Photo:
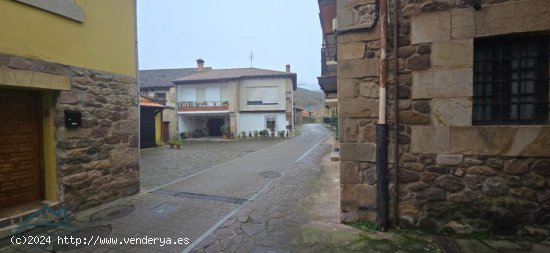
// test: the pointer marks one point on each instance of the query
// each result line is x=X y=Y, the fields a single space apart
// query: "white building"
x=245 y=99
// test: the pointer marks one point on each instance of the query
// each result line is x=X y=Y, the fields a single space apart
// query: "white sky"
x=174 y=33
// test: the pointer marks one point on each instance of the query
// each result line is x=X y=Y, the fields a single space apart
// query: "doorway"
x=165 y=131
x=214 y=126
x=21 y=173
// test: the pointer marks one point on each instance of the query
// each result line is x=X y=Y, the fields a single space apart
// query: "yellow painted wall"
x=104 y=41
x=158 y=128
x=50 y=176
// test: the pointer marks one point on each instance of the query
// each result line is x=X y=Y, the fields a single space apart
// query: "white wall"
x=190 y=123
x=250 y=121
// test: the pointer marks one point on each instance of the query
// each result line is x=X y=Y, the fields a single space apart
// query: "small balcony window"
x=511 y=80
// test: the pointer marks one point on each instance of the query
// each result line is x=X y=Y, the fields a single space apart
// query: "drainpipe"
x=396 y=115
x=382 y=128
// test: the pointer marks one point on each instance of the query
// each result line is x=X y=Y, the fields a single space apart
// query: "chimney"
x=200 y=65
x=288 y=68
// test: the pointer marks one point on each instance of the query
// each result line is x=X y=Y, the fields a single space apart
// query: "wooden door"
x=166 y=131
x=21 y=177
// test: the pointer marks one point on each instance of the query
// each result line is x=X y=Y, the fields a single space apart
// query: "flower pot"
x=178 y=146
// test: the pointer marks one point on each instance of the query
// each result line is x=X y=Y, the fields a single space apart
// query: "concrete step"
x=10 y=225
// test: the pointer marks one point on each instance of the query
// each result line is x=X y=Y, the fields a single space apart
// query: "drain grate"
x=212 y=197
x=191 y=195
x=270 y=174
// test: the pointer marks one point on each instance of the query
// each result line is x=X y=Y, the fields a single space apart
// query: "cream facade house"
x=157 y=84
x=245 y=99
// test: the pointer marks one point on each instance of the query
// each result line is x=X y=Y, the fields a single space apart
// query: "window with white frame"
x=267 y=95
x=271 y=122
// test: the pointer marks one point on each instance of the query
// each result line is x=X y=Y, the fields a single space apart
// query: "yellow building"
x=68 y=103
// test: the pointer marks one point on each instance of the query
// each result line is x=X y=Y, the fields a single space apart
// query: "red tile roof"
x=148 y=103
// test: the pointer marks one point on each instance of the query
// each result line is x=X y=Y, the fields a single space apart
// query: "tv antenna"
x=251 y=57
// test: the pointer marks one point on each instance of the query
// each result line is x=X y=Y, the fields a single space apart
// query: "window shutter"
x=270 y=95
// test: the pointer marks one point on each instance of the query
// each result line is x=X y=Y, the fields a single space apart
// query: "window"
x=223 y=94
x=201 y=95
x=268 y=95
x=271 y=122
x=511 y=80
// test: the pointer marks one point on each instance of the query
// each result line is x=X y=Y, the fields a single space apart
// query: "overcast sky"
x=174 y=33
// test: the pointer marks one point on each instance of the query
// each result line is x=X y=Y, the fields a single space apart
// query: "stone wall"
x=97 y=162
x=453 y=176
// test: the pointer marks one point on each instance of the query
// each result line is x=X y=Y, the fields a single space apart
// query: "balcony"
x=204 y=106
x=328 y=60
x=331 y=95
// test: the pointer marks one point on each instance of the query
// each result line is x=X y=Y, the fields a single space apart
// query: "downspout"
x=396 y=115
x=138 y=90
x=382 y=195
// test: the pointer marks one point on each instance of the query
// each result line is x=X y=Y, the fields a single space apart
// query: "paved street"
x=188 y=208
x=162 y=165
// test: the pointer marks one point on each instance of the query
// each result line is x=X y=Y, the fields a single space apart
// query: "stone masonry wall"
x=454 y=177
x=97 y=162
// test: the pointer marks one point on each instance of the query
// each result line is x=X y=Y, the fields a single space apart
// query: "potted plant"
x=172 y=143
x=225 y=102
x=282 y=133
x=249 y=134
x=178 y=143
x=243 y=134
x=272 y=133
x=225 y=131
x=256 y=133
x=231 y=135
x=188 y=134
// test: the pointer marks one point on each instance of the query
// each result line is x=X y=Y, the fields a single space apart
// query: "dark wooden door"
x=147 y=127
x=21 y=178
x=166 y=131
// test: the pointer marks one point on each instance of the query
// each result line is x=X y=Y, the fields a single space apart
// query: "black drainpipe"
x=382 y=195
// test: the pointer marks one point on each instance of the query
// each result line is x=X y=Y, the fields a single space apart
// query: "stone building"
x=329 y=63
x=473 y=141
x=68 y=104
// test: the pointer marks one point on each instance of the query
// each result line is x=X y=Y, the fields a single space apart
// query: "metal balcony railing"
x=328 y=60
x=193 y=106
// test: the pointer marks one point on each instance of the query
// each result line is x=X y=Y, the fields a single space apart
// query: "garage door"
x=20 y=173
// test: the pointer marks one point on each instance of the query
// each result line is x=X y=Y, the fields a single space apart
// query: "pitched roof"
x=217 y=75
x=158 y=78
x=148 y=103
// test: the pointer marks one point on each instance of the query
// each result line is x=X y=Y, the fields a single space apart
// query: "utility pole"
x=251 y=57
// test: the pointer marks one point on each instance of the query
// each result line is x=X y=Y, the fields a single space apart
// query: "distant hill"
x=308 y=100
